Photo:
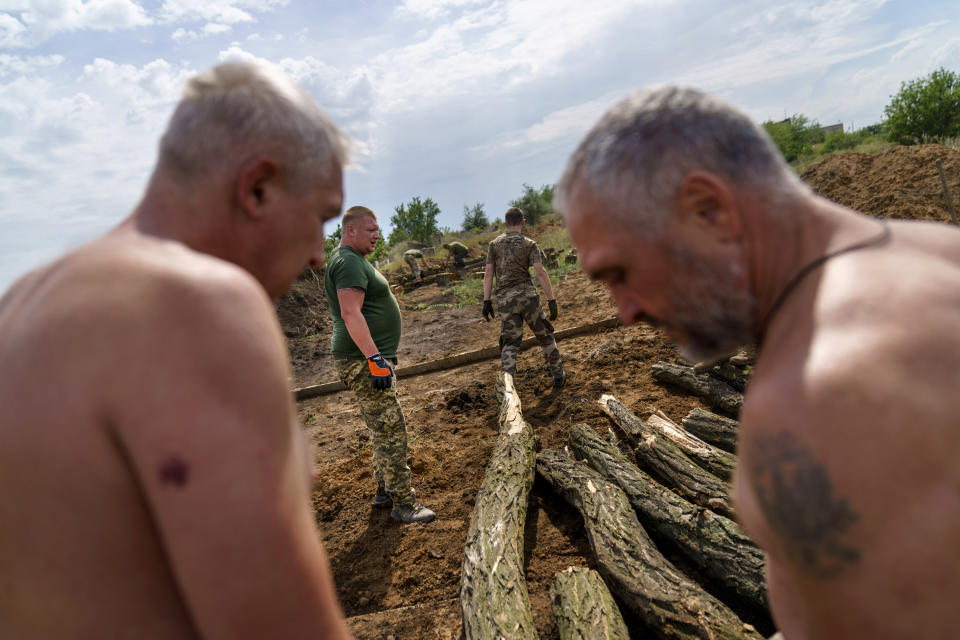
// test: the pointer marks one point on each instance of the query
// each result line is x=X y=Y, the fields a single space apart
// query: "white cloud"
x=213 y=28
x=219 y=11
x=37 y=21
x=25 y=65
x=182 y=34
x=432 y=9
x=505 y=44
x=947 y=56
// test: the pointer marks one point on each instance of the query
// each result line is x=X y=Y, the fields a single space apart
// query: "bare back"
x=152 y=476
x=848 y=475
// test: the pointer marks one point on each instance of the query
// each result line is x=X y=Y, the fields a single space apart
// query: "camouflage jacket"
x=512 y=254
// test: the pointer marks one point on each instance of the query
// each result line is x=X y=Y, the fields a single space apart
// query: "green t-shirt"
x=413 y=253
x=346 y=268
x=458 y=249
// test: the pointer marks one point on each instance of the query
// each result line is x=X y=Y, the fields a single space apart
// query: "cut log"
x=715 y=429
x=717 y=545
x=708 y=457
x=583 y=607
x=666 y=462
x=668 y=602
x=493 y=590
x=718 y=393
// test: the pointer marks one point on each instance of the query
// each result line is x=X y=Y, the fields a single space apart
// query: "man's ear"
x=706 y=204
x=255 y=186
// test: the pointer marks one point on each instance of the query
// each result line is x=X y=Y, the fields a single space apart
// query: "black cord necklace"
x=876 y=240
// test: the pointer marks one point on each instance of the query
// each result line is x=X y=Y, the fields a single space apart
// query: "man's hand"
x=380 y=372
x=553 y=309
x=487 y=310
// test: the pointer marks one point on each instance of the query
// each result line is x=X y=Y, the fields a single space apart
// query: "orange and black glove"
x=553 y=309
x=487 y=310
x=380 y=372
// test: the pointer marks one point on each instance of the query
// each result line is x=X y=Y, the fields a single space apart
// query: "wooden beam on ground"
x=717 y=392
x=460 y=359
x=670 y=604
x=712 y=542
x=668 y=463
x=715 y=429
x=584 y=608
x=708 y=457
x=493 y=590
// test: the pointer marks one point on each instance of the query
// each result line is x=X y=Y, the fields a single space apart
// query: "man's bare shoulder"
x=123 y=298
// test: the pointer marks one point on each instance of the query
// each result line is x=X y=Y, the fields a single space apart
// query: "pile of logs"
x=673 y=487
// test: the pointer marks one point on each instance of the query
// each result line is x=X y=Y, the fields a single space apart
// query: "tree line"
x=924 y=110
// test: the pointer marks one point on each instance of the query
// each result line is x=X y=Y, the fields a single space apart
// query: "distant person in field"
x=410 y=256
x=366 y=334
x=848 y=474
x=154 y=479
x=458 y=251
x=510 y=257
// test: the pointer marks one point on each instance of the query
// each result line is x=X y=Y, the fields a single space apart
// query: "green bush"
x=794 y=136
x=925 y=109
x=474 y=217
x=415 y=221
x=535 y=202
x=331 y=241
x=841 y=141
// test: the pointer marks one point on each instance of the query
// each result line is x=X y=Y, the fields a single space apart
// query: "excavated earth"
x=402 y=581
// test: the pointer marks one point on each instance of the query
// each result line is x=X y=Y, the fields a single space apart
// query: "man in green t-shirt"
x=366 y=333
x=458 y=251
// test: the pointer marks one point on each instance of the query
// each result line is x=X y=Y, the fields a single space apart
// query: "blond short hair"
x=354 y=215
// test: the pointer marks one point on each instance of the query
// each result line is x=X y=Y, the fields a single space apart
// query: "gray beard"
x=715 y=315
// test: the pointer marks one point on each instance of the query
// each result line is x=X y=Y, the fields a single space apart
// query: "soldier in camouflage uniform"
x=510 y=257
x=366 y=333
x=410 y=256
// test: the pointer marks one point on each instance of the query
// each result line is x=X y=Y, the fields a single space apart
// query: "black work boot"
x=414 y=512
x=382 y=499
x=558 y=381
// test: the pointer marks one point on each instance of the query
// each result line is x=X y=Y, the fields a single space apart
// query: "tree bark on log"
x=668 y=463
x=493 y=590
x=708 y=457
x=583 y=607
x=718 y=430
x=712 y=542
x=719 y=394
x=669 y=603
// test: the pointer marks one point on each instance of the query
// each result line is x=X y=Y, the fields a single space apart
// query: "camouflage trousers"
x=414 y=266
x=516 y=307
x=388 y=430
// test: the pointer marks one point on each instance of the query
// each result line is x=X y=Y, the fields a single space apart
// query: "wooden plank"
x=460 y=359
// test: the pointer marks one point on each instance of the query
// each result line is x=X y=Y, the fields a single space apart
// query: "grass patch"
x=870 y=145
x=467 y=291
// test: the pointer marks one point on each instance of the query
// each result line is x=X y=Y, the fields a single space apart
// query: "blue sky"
x=462 y=101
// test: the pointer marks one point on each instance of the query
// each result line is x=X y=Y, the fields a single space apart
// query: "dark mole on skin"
x=174 y=471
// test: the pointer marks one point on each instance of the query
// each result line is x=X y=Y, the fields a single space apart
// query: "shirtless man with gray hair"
x=850 y=426
x=154 y=480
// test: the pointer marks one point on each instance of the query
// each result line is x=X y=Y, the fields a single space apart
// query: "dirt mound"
x=900 y=183
x=303 y=311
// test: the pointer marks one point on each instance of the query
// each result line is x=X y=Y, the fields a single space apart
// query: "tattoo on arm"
x=798 y=501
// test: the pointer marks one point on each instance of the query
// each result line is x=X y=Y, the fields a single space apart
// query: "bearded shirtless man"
x=153 y=477
x=848 y=474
